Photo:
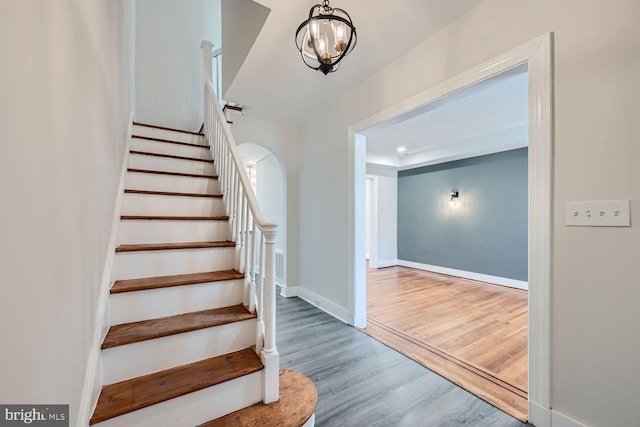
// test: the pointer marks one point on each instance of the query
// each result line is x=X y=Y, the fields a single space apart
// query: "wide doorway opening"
x=447 y=217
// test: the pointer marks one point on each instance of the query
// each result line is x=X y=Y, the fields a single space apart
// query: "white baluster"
x=239 y=223
x=233 y=188
x=252 y=268
x=243 y=240
x=258 y=288
x=270 y=357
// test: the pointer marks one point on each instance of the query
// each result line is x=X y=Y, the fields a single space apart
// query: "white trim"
x=329 y=307
x=356 y=239
x=496 y=280
x=93 y=374
x=387 y=263
x=539 y=416
x=537 y=53
x=373 y=220
x=288 y=291
x=311 y=421
x=561 y=420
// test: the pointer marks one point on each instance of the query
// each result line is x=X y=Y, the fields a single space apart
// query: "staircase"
x=184 y=345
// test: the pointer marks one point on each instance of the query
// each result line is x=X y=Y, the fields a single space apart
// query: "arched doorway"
x=267 y=175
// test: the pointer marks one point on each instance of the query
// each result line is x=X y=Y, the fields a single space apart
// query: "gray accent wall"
x=487 y=232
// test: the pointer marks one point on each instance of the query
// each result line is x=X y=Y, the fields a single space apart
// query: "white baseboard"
x=325 y=305
x=93 y=373
x=542 y=417
x=311 y=422
x=538 y=415
x=503 y=281
x=386 y=263
x=561 y=420
x=288 y=291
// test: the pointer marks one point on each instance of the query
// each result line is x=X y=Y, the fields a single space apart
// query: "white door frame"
x=537 y=54
x=373 y=220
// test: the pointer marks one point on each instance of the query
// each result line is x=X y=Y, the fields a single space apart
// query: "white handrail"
x=255 y=255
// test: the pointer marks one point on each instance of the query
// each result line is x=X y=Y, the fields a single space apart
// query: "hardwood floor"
x=473 y=333
x=362 y=382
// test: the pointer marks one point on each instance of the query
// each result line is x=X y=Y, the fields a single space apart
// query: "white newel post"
x=270 y=356
x=207 y=69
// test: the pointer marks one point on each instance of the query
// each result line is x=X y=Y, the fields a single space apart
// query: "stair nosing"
x=167 y=128
x=173 y=218
x=119 y=286
x=188 y=175
x=169 y=141
x=172 y=193
x=179 y=372
x=173 y=246
x=240 y=317
x=169 y=156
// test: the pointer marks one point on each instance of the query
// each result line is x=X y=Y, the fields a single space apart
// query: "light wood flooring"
x=362 y=382
x=473 y=333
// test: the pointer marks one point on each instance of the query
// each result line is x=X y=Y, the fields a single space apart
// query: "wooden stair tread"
x=175 y=218
x=190 y=144
x=144 y=330
x=141 y=392
x=132 y=285
x=170 y=156
x=166 y=246
x=170 y=193
x=167 y=128
x=191 y=175
x=298 y=399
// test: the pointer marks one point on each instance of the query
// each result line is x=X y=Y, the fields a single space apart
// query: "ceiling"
x=487 y=117
x=273 y=81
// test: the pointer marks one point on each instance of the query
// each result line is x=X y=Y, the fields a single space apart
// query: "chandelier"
x=326 y=37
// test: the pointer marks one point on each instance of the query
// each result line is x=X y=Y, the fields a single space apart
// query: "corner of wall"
x=288 y=291
x=329 y=307
x=93 y=373
x=539 y=416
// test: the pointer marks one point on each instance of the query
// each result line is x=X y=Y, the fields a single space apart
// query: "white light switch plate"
x=602 y=213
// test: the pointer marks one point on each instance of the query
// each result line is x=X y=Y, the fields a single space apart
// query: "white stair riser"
x=135 y=306
x=136 y=265
x=140 y=144
x=146 y=357
x=197 y=407
x=170 y=183
x=150 y=204
x=167 y=134
x=141 y=161
x=161 y=231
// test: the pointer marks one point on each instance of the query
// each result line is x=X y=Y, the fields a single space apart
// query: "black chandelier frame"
x=325 y=12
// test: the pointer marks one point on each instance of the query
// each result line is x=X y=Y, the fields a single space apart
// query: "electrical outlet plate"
x=602 y=213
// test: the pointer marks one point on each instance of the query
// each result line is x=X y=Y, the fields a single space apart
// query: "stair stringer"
x=93 y=373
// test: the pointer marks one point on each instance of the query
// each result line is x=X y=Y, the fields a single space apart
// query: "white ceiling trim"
x=495 y=142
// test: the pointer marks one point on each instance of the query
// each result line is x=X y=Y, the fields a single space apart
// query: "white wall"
x=64 y=113
x=242 y=21
x=282 y=140
x=386 y=230
x=169 y=84
x=594 y=290
x=270 y=187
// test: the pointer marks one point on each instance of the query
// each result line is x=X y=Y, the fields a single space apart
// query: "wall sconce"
x=453 y=199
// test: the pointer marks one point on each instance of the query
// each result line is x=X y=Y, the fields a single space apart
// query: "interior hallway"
x=362 y=382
